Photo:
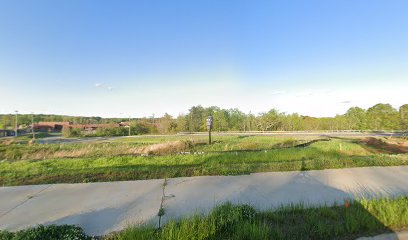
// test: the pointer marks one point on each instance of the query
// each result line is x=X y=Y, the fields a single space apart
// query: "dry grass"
x=8 y=142
x=40 y=152
x=166 y=148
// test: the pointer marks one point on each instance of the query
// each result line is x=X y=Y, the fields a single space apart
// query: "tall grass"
x=94 y=150
x=103 y=161
x=320 y=155
x=228 y=221
x=54 y=151
x=130 y=146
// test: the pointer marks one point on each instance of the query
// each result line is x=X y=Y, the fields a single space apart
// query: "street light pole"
x=16 y=123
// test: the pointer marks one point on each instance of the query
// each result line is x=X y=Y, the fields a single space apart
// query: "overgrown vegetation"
x=228 y=221
x=103 y=162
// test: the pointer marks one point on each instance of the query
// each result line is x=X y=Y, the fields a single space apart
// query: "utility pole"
x=32 y=125
x=16 y=129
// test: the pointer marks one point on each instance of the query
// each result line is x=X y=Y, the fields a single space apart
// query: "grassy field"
x=175 y=156
x=347 y=220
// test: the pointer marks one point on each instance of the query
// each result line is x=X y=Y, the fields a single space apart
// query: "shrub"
x=51 y=232
x=139 y=129
x=71 y=132
x=111 y=131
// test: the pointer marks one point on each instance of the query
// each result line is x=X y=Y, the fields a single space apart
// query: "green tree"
x=403 y=111
x=166 y=124
x=292 y=122
x=236 y=119
x=311 y=123
x=269 y=121
x=250 y=122
x=382 y=117
x=195 y=119
x=139 y=128
x=181 y=123
x=220 y=120
x=356 y=118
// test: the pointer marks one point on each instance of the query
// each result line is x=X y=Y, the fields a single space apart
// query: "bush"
x=71 y=132
x=51 y=232
x=139 y=129
x=112 y=131
x=136 y=129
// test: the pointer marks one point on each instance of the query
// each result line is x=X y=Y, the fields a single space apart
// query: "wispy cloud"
x=103 y=86
x=345 y=102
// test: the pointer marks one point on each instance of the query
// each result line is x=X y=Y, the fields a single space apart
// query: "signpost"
x=209 y=127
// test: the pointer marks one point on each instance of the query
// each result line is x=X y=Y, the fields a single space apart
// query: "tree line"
x=378 y=117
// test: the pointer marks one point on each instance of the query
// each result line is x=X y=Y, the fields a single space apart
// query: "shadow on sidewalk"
x=302 y=207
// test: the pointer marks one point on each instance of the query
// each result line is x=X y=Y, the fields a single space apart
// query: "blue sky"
x=138 y=58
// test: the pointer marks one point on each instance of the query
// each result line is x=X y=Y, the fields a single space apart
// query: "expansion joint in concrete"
x=25 y=200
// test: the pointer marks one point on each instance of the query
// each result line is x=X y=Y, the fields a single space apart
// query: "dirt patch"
x=386 y=147
x=404 y=144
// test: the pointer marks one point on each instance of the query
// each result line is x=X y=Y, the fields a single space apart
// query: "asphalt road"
x=61 y=140
x=101 y=208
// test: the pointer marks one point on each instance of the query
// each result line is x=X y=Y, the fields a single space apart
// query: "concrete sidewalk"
x=403 y=235
x=104 y=207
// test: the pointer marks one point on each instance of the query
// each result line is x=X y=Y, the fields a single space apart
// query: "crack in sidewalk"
x=161 y=211
x=25 y=200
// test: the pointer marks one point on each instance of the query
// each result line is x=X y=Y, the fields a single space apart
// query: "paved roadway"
x=104 y=207
x=59 y=140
